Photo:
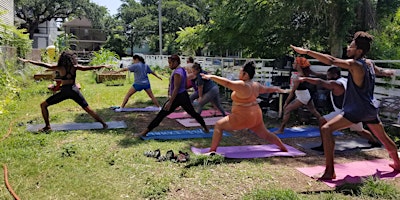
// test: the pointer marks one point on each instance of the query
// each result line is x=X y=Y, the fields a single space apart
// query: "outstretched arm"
x=38 y=63
x=119 y=71
x=326 y=59
x=86 y=68
x=336 y=87
x=154 y=74
x=265 y=89
x=379 y=71
x=233 y=85
x=354 y=66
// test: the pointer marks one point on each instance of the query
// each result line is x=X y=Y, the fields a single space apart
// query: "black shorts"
x=68 y=92
x=356 y=120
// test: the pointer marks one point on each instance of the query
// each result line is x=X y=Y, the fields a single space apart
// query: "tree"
x=191 y=39
x=35 y=12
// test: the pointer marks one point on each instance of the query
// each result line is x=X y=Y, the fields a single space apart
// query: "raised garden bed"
x=44 y=76
x=108 y=76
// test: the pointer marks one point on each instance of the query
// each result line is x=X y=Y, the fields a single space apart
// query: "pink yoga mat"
x=204 y=113
x=190 y=122
x=252 y=151
x=354 y=172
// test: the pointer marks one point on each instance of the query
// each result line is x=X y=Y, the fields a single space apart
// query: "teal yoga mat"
x=180 y=134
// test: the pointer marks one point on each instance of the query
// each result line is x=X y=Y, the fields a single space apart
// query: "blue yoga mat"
x=180 y=134
x=297 y=132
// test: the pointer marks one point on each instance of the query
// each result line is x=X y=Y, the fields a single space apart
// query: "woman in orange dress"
x=246 y=113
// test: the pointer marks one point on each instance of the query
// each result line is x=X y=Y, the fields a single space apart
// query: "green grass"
x=107 y=164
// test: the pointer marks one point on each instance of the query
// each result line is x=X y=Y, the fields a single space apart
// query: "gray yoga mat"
x=343 y=145
x=77 y=126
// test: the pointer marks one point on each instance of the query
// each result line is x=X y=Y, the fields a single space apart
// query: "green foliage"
x=63 y=42
x=387 y=40
x=191 y=39
x=11 y=36
x=379 y=189
x=36 y=12
x=273 y=194
x=104 y=57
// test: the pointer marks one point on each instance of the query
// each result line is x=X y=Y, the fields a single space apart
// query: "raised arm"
x=38 y=63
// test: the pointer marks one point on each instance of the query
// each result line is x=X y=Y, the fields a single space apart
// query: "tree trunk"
x=31 y=29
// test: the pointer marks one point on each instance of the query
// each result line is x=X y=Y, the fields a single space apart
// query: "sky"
x=111 y=5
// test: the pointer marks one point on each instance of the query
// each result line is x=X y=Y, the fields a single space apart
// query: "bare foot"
x=284 y=149
x=325 y=176
x=45 y=129
x=396 y=168
x=141 y=134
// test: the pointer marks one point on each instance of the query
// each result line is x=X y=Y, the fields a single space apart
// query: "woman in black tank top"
x=67 y=66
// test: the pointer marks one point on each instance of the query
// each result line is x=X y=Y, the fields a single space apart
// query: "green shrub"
x=378 y=189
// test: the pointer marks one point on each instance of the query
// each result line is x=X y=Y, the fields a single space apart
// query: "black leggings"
x=68 y=92
x=182 y=100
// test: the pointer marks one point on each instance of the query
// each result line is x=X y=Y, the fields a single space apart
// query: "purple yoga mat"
x=190 y=122
x=354 y=172
x=252 y=151
x=204 y=113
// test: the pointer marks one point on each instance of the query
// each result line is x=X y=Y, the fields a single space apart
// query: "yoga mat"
x=296 y=132
x=146 y=109
x=354 y=172
x=180 y=134
x=204 y=113
x=251 y=151
x=77 y=126
x=344 y=145
x=190 y=122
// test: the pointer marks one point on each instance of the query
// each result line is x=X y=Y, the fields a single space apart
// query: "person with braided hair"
x=67 y=67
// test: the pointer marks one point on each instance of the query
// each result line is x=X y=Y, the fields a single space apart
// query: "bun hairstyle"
x=363 y=41
x=250 y=68
x=302 y=62
x=140 y=58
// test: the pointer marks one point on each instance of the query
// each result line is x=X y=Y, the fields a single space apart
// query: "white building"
x=7 y=6
x=45 y=35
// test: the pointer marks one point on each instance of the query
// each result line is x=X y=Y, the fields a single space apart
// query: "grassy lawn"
x=108 y=164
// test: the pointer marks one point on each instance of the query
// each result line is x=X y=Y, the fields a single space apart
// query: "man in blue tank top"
x=359 y=103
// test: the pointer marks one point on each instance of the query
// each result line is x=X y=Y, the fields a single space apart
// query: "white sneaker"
x=159 y=108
